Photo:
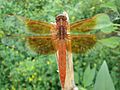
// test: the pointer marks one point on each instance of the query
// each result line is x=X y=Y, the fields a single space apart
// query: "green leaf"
x=81 y=88
x=103 y=79
x=1 y=34
x=112 y=42
x=88 y=76
x=102 y=21
x=76 y=77
x=117 y=3
x=108 y=29
x=110 y=5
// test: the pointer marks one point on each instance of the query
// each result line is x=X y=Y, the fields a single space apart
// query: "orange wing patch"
x=83 y=26
x=38 y=27
x=41 y=45
x=96 y=22
x=82 y=43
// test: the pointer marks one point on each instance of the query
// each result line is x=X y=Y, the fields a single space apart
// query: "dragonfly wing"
x=97 y=22
x=81 y=43
x=35 y=26
x=38 y=27
x=41 y=45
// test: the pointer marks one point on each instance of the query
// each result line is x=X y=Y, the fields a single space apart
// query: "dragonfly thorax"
x=61 y=26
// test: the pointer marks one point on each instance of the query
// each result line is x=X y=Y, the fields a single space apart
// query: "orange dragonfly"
x=63 y=37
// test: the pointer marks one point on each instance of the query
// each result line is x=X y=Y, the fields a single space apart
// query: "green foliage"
x=103 y=21
x=110 y=5
x=103 y=79
x=22 y=69
x=112 y=42
x=88 y=76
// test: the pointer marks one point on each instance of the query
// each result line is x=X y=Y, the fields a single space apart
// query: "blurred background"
x=21 y=69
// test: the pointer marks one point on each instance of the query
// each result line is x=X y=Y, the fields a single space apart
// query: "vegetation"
x=21 y=69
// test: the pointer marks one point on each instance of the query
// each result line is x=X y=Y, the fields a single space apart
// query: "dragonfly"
x=62 y=37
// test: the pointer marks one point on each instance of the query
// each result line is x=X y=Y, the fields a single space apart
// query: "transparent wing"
x=97 y=22
x=35 y=26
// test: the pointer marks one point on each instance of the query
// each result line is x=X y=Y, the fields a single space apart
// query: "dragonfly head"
x=61 y=20
x=61 y=17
